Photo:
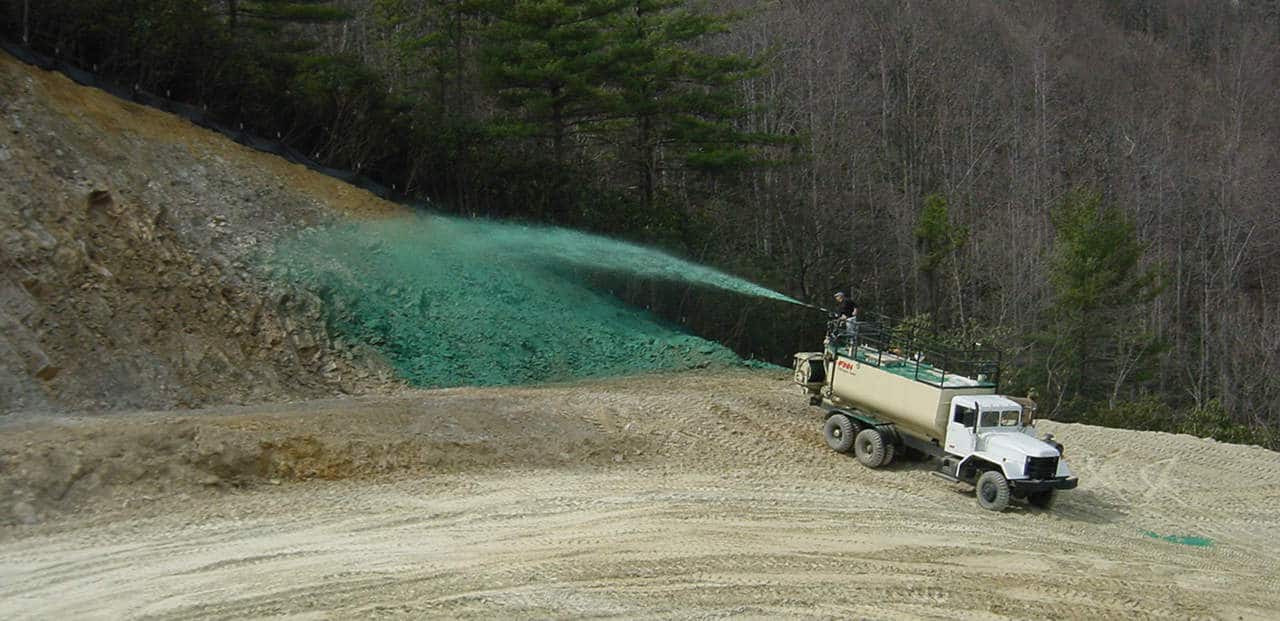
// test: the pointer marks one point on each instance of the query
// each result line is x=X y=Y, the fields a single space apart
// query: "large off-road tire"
x=992 y=490
x=890 y=452
x=1042 y=499
x=869 y=448
x=839 y=432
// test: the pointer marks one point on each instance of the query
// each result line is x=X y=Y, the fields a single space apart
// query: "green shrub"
x=1213 y=421
x=905 y=336
x=1151 y=414
x=1147 y=413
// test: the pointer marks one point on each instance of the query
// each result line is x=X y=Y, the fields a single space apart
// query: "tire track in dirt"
x=732 y=506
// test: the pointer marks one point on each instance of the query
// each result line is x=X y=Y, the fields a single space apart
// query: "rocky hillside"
x=126 y=239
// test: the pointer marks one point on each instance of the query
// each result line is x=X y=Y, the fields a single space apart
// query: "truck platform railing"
x=908 y=352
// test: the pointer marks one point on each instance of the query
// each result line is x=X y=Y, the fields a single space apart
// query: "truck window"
x=989 y=418
x=1009 y=418
x=966 y=416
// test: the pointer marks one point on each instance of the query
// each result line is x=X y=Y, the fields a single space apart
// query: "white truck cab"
x=993 y=430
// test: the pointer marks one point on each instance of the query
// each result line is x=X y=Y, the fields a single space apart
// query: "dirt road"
x=662 y=496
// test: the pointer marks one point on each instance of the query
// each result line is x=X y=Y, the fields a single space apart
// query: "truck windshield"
x=999 y=418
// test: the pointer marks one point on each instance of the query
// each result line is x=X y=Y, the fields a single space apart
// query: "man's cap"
x=839 y=294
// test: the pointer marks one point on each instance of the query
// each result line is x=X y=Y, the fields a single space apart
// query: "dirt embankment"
x=694 y=494
x=53 y=467
x=126 y=260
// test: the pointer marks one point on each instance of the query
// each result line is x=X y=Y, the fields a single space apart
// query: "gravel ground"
x=695 y=494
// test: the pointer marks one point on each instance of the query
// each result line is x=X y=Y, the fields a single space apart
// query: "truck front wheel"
x=992 y=491
x=839 y=432
x=869 y=448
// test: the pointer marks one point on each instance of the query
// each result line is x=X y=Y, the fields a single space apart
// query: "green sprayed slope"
x=456 y=302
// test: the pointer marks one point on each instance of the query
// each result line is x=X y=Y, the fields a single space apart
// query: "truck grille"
x=1042 y=467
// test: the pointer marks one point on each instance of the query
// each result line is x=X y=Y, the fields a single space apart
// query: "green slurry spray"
x=468 y=302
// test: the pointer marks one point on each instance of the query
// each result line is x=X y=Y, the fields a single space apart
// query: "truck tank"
x=903 y=379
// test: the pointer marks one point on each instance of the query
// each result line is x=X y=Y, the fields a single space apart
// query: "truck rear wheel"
x=869 y=448
x=992 y=491
x=890 y=452
x=1041 y=499
x=839 y=432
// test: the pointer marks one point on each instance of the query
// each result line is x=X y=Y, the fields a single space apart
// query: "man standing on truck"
x=847 y=310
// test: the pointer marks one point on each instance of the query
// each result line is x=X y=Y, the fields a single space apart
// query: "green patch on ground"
x=461 y=302
x=1186 y=540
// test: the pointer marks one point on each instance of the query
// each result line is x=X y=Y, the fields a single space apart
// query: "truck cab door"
x=962 y=437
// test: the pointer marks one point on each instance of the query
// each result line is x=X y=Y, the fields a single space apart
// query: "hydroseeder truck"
x=887 y=391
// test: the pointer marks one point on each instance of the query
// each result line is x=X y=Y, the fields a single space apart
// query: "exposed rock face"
x=127 y=244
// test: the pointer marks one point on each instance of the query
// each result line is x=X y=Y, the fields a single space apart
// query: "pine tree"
x=547 y=60
x=430 y=42
x=627 y=72
x=432 y=45
x=676 y=103
x=936 y=241
x=1093 y=341
x=265 y=53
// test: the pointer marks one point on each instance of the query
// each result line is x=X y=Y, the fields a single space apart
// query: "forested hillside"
x=1086 y=185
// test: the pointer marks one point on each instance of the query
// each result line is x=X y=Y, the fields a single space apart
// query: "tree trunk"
x=559 y=204
x=647 y=156
x=557 y=128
